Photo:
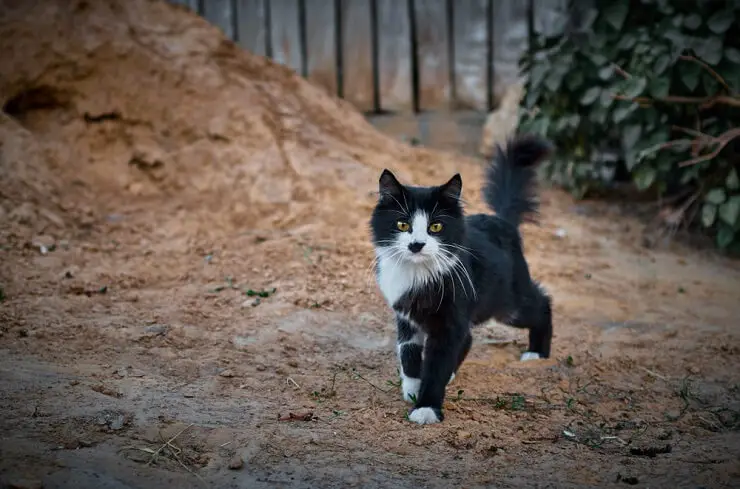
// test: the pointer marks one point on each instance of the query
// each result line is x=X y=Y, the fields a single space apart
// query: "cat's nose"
x=416 y=247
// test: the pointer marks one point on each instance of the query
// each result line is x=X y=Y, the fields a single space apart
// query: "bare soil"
x=152 y=175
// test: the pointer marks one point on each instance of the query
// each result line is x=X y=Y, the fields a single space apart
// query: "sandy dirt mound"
x=185 y=263
x=141 y=99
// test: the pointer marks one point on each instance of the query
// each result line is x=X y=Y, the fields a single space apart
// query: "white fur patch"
x=400 y=270
x=424 y=415
x=529 y=355
x=410 y=387
x=396 y=276
x=452 y=377
x=419 y=225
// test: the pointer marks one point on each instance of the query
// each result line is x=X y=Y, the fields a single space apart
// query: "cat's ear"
x=453 y=188
x=389 y=185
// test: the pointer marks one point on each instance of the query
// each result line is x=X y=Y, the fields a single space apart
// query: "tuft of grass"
x=260 y=293
x=518 y=402
x=685 y=393
x=230 y=284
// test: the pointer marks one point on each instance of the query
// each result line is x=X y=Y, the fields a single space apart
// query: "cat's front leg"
x=441 y=356
x=409 y=347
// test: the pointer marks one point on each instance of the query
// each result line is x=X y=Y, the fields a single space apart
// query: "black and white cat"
x=443 y=272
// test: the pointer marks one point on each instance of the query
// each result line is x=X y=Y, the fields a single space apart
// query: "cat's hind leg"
x=535 y=314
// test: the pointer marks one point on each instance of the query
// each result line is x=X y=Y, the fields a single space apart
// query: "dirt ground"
x=155 y=182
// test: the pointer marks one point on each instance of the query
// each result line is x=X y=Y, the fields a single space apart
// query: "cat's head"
x=418 y=225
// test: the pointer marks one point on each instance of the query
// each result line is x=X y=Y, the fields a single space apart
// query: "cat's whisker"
x=405 y=208
x=405 y=202
x=458 y=265
x=447 y=248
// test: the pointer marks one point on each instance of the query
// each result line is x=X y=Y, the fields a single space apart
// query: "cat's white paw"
x=452 y=377
x=424 y=415
x=410 y=387
x=529 y=355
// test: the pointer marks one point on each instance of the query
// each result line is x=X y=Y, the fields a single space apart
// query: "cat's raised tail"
x=511 y=178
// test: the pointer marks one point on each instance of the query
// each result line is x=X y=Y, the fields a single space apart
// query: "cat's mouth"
x=418 y=258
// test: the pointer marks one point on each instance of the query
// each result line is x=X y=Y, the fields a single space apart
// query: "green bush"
x=645 y=90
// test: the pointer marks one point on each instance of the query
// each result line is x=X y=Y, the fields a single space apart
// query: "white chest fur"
x=396 y=277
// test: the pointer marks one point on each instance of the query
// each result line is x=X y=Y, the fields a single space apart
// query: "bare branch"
x=721 y=141
x=704 y=102
x=709 y=69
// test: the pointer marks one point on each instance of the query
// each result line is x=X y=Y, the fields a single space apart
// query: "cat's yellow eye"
x=435 y=227
x=402 y=226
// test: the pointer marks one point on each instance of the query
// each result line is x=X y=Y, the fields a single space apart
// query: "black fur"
x=489 y=247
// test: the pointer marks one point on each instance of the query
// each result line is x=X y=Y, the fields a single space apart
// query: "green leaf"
x=590 y=96
x=616 y=13
x=598 y=114
x=574 y=80
x=725 y=236
x=678 y=40
x=721 y=21
x=531 y=99
x=690 y=73
x=630 y=135
x=598 y=59
x=660 y=86
x=537 y=74
x=588 y=18
x=690 y=173
x=732 y=182
x=606 y=99
x=606 y=72
x=708 y=214
x=540 y=126
x=709 y=49
x=623 y=112
x=733 y=55
x=644 y=177
x=716 y=196
x=711 y=85
x=730 y=210
x=642 y=48
x=635 y=86
x=553 y=82
x=662 y=63
x=692 y=21
x=627 y=42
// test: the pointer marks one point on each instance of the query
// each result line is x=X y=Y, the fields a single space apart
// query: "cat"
x=443 y=273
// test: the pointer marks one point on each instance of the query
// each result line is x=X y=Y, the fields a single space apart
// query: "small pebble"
x=226 y=373
x=44 y=244
x=157 y=329
x=117 y=422
x=236 y=462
